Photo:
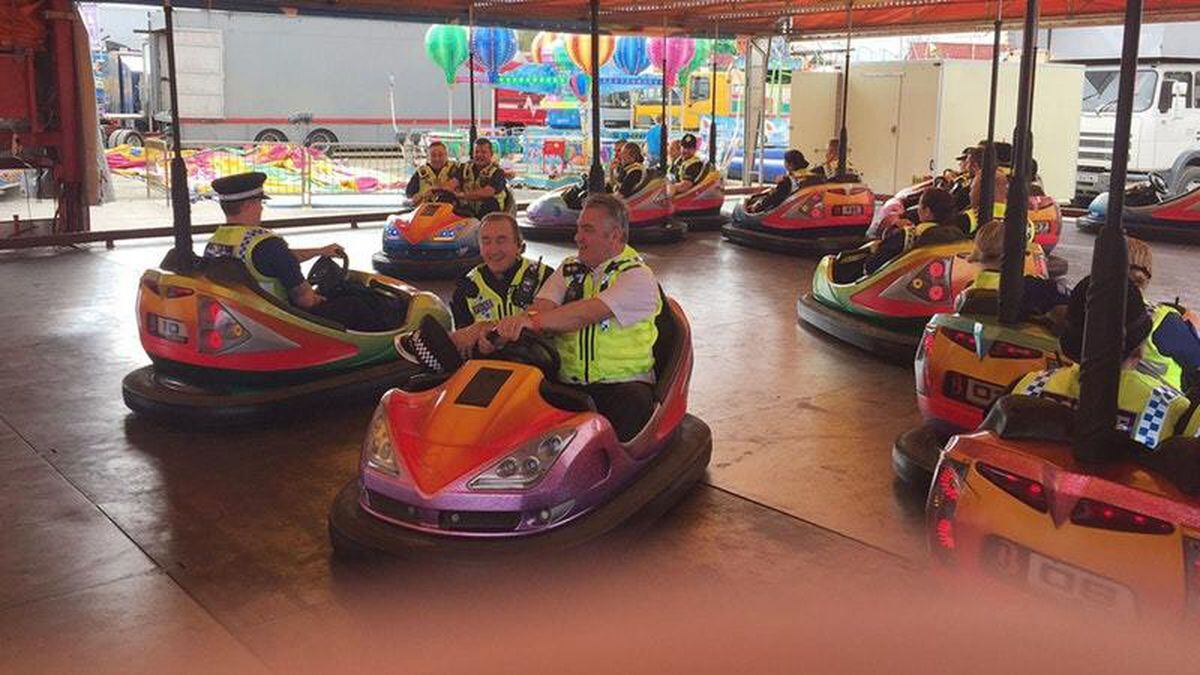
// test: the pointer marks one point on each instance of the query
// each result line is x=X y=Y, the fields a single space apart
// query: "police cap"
x=240 y=186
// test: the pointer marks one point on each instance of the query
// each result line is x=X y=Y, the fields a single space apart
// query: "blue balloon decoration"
x=493 y=47
x=631 y=55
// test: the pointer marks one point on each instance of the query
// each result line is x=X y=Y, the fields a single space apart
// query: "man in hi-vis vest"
x=435 y=174
x=600 y=306
x=272 y=263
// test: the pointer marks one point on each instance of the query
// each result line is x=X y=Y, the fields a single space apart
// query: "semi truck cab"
x=1166 y=121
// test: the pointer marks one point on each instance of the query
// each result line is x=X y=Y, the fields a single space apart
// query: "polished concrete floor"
x=134 y=547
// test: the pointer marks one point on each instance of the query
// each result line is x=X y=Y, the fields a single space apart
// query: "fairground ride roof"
x=797 y=18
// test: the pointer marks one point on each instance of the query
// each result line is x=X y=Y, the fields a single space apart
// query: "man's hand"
x=510 y=328
x=484 y=343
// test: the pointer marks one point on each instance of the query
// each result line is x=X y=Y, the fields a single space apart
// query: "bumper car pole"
x=181 y=258
x=987 y=188
x=843 y=150
x=712 y=93
x=666 y=92
x=473 y=133
x=596 y=176
x=1012 y=270
x=1100 y=374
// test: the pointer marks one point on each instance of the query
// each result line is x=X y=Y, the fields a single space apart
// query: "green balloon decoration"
x=447 y=47
x=727 y=46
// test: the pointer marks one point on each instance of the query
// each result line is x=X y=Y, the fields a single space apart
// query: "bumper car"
x=820 y=218
x=553 y=215
x=434 y=241
x=886 y=312
x=1044 y=213
x=226 y=351
x=1010 y=506
x=966 y=361
x=499 y=459
x=1150 y=213
x=700 y=207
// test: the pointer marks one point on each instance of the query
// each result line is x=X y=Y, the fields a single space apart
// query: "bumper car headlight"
x=377 y=447
x=524 y=468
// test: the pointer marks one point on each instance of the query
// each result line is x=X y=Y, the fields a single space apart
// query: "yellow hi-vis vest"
x=626 y=169
x=681 y=166
x=605 y=351
x=999 y=209
x=1155 y=361
x=238 y=241
x=430 y=179
x=911 y=234
x=799 y=177
x=473 y=179
x=1149 y=409
x=487 y=305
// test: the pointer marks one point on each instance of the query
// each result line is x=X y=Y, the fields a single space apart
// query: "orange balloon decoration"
x=579 y=48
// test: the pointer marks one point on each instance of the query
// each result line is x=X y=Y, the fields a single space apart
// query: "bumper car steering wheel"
x=531 y=349
x=326 y=276
x=1159 y=184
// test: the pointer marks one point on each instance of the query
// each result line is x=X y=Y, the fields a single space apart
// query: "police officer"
x=1149 y=409
x=435 y=174
x=272 y=263
x=503 y=285
x=797 y=176
x=483 y=186
x=687 y=171
x=631 y=172
x=1173 y=349
x=601 y=305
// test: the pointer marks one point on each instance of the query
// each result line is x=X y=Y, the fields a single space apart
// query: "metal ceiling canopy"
x=795 y=18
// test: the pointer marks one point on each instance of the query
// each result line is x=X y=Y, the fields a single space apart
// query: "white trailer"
x=910 y=119
x=254 y=77
x=1166 y=106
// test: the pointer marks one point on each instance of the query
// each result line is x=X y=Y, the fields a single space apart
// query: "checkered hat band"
x=238 y=196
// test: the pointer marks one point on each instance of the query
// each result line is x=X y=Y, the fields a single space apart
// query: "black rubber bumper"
x=185 y=402
x=657 y=233
x=353 y=531
x=1147 y=229
x=916 y=452
x=768 y=241
x=703 y=221
x=894 y=344
x=418 y=268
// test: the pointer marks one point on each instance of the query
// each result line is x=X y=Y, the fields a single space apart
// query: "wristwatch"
x=535 y=320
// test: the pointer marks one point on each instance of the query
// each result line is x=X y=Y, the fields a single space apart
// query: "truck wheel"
x=112 y=138
x=271 y=136
x=134 y=138
x=1188 y=179
x=321 y=139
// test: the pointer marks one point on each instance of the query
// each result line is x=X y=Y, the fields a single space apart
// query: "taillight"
x=1191 y=572
x=924 y=347
x=1091 y=513
x=961 y=338
x=1008 y=350
x=944 y=494
x=933 y=282
x=1029 y=492
x=219 y=330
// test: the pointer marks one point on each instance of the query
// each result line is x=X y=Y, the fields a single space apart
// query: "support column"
x=596 y=176
x=753 y=99
x=181 y=210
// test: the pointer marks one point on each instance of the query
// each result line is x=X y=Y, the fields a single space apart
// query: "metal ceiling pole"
x=596 y=178
x=987 y=188
x=712 y=93
x=1012 y=270
x=662 y=141
x=842 y=136
x=474 y=132
x=180 y=206
x=1104 y=325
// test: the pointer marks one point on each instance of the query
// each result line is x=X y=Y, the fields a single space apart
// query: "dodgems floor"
x=129 y=546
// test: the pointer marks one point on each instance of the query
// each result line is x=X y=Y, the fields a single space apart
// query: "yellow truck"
x=697 y=98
